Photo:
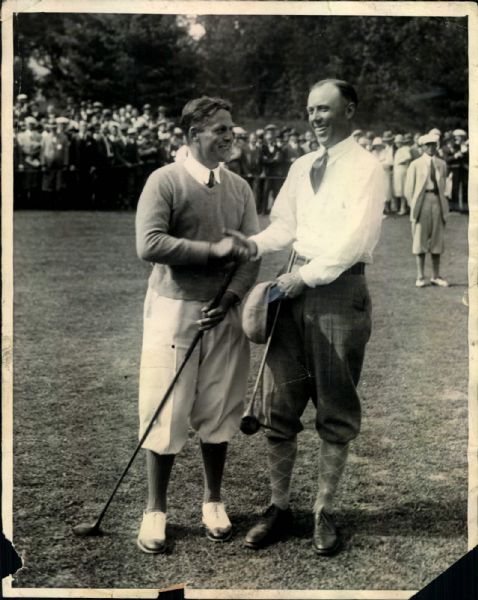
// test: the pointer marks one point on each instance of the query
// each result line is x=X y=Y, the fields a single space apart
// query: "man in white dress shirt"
x=330 y=207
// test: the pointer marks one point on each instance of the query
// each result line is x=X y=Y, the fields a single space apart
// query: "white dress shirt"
x=340 y=224
x=199 y=171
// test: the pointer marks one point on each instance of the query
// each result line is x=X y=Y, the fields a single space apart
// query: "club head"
x=87 y=530
x=249 y=425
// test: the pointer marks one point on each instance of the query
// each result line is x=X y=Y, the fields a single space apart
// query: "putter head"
x=87 y=530
x=249 y=425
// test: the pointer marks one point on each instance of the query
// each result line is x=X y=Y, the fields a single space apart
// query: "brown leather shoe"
x=326 y=540
x=272 y=526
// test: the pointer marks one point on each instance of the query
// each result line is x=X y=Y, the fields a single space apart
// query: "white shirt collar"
x=341 y=148
x=335 y=151
x=199 y=171
x=428 y=158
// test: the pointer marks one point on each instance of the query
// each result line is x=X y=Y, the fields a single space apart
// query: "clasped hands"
x=236 y=246
x=290 y=284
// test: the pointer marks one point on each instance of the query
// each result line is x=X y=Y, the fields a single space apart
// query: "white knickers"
x=209 y=394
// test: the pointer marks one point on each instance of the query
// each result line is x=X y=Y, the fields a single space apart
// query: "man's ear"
x=350 y=110
x=193 y=133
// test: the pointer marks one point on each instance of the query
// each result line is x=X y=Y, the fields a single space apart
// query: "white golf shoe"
x=152 y=533
x=217 y=523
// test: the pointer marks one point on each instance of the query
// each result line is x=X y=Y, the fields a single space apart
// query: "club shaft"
x=250 y=408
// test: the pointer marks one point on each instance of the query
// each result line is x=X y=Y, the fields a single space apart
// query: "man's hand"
x=228 y=249
x=213 y=316
x=291 y=284
x=248 y=245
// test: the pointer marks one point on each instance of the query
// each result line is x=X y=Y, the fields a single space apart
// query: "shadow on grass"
x=427 y=519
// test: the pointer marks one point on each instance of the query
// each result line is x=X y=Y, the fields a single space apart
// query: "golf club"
x=93 y=529
x=250 y=422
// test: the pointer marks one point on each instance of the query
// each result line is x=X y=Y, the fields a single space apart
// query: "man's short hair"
x=346 y=89
x=197 y=111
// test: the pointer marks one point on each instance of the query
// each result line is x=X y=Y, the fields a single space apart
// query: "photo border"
x=231 y=7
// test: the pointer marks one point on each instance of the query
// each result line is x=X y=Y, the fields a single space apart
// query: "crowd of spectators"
x=397 y=151
x=88 y=156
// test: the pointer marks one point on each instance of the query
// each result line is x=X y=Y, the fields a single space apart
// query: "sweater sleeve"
x=247 y=272
x=153 y=242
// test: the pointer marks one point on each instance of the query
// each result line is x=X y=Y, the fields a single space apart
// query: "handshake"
x=234 y=246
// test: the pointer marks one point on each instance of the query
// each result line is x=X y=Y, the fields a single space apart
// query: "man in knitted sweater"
x=182 y=214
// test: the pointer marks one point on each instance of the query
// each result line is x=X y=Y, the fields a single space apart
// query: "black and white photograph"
x=239 y=297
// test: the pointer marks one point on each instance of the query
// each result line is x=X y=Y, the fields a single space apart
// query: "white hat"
x=22 y=97
x=377 y=142
x=30 y=120
x=398 y=138
x=62 y=120
x=239 y=131
x=460 y=132
x=428 y=138
x=435 y=131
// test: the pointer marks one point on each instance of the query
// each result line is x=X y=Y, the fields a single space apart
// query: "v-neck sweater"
x=176 y=221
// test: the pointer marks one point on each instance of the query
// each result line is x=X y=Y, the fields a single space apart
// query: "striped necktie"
x=317 y=171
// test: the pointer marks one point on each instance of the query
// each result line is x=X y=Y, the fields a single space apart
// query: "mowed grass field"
x=79 y=290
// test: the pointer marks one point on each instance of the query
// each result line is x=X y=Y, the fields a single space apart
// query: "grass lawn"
x=79 y=290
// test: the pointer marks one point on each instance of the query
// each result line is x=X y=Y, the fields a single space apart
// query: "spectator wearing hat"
x=21 y=108
x=378 y=150
x=162 y=113
x=292 y=151
x=272 y=159
x=309 y=137
x=163 y=132
x=253 y=156
x=54 y=158
x=456 y=157
x=425 y=192
x=387 y=164
x=237 y=163
x=84 y=160
x=357 y=134
x=402 y=158
x=28 y=144
x=415 y=148
x=365 y=143
x=283 y=138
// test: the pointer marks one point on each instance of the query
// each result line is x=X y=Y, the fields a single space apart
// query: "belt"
x=431 y=192
x=356 y=269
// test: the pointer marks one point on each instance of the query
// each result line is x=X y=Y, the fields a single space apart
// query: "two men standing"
x=330 y=208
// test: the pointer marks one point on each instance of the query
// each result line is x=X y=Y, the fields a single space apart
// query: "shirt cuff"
x=258 y=254
x=304 y=273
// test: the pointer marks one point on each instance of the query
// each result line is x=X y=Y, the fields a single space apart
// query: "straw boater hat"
x=387 y=136
x=377 y=142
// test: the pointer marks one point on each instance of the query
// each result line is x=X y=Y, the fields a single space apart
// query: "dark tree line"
x=408 y=71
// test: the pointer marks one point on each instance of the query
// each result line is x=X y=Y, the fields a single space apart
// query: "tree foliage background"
x=409 y=72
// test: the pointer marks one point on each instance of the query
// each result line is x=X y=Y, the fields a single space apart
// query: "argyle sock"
x=214 y=458
x=332 y=460
x=281 y=454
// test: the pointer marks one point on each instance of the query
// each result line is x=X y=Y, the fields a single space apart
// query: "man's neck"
x=209 y=164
